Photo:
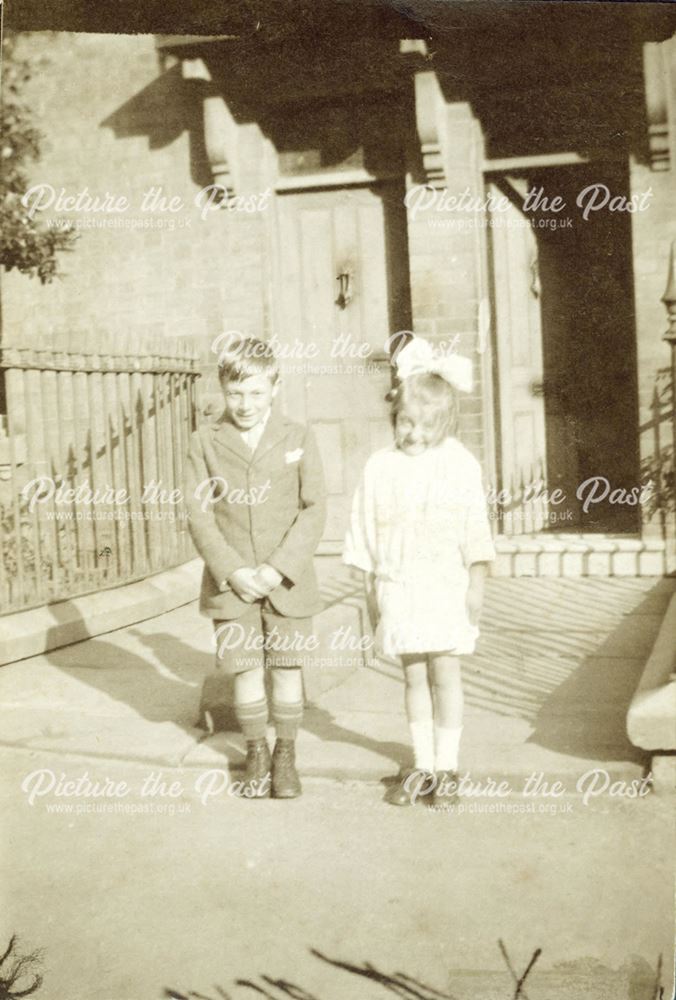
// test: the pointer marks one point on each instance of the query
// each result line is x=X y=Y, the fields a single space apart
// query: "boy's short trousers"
x=261 y=637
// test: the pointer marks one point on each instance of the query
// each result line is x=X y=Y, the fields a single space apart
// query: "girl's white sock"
x=447 y=743
x=422 y=737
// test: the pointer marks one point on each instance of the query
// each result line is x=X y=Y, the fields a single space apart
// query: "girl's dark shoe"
x=285 y=781
x=411 y=786
x=445 y=790
x=256 y=784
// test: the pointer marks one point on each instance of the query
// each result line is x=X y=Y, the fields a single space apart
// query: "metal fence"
x=91 y=455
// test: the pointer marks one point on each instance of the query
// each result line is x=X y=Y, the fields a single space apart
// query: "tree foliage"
x=26 y=245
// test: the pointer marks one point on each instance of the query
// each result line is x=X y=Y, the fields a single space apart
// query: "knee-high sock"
x=253 y=719
x=447 y=743
x=287 y=716
x=422 y=737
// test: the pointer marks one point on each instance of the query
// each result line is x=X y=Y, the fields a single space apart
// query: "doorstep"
x=576 y=555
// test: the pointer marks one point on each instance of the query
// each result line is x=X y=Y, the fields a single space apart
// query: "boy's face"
x=247 y=402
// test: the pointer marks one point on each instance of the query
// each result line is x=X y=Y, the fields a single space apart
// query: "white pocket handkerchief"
x=293 y=456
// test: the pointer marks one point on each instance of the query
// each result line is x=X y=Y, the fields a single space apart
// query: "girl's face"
x=415 y=431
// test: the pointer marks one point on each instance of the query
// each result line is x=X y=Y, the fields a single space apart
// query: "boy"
x=255 y=498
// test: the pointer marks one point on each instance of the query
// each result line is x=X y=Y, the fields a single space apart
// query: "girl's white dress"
x=418 y=522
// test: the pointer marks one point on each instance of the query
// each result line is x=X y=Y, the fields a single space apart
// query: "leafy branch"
x=26 y=246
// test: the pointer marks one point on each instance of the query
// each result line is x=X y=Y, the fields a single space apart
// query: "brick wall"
x=447 y=255
x=114 y=122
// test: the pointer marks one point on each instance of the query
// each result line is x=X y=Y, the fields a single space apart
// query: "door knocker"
x=345 y=281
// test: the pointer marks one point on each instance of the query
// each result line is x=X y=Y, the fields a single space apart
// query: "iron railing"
x=91 y=451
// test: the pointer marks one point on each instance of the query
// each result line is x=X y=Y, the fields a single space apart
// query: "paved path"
x=129 y=897
x=128 y=903
x=548 y=689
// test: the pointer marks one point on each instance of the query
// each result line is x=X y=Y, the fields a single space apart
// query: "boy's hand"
x=246 y=585
x=269 y=577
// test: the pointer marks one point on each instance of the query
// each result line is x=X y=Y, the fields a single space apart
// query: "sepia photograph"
x=338 y=500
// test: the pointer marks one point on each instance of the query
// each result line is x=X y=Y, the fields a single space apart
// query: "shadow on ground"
x=567 y=656
x=564 y=655
x=579 y=980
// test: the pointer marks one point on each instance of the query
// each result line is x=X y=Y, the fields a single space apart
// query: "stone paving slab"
x=556 y=666
x=233 y=889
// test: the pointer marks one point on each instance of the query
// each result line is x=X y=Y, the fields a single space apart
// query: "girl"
x=419 y=530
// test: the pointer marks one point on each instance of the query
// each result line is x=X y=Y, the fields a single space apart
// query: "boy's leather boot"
x=257 y=770
x=285 y=781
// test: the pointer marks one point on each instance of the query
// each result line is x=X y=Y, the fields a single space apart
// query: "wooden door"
x=359 y=234
x=520 y=368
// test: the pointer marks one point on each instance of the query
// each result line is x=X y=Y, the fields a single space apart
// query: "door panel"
x=566 y=349
x=520 y=361
x=322 y=234
x=589 y=338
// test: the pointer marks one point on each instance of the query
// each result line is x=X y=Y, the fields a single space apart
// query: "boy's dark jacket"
x=283 y=529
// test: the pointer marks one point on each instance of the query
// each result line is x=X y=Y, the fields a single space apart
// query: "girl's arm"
x=477 y=548
x=359 y=546
x=371 y=601
x=478 y=572
x=477 y=542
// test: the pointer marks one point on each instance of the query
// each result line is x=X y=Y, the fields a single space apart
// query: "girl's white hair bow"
x=418 y=357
